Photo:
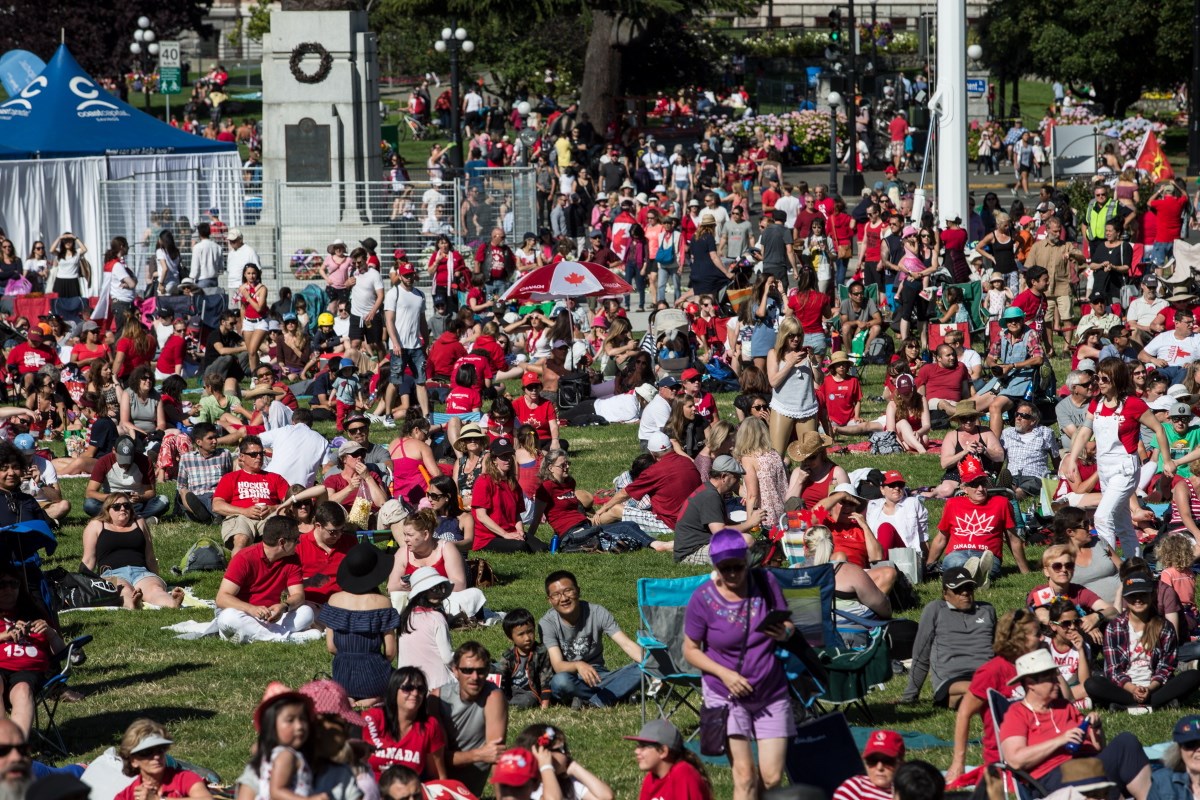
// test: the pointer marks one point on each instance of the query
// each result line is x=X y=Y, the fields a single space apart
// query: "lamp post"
x=835 y=100
x=144 y=39
x=454 y=40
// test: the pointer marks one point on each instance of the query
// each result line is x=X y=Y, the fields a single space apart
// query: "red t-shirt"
x=804 y=221
x=444 y=354
x=133 y=357
x=706 y=407
x=28 y=358
x=669 y=482
x=171 y=356
x=1168 y=216
x=971 y=527
x=260 y=582
x=81 y=352
x=942 y=383
x=1168 y=315
x=463 y=400
x=1128 y=427
x=1037 y=729
x=840 y=397
x=504 y=504
x=769 y=198
x=898 y=128
x=1034 y=308
x=838 y=227
x=682 y=782
x=483 y=365
x=315 y=561
x=412 y=750
x=809 y=308
x=176 y=783
x=1079 y=595
x=562 y=504
x=30 y=654
x=994 y=674
x=246 y=489
x=537 y=418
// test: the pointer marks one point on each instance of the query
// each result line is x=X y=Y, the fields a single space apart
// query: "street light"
x=452 y=41
x=835 y=100
x=144 y=41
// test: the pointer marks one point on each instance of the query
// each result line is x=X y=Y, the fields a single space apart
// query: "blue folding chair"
x=668 y=680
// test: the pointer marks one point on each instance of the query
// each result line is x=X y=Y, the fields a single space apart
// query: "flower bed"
x=808 y=130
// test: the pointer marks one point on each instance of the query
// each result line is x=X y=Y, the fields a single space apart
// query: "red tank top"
x=439 y=566
x=817 y=491
x=250 y=312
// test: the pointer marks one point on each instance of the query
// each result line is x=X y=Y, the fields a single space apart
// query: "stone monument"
x=321 y=132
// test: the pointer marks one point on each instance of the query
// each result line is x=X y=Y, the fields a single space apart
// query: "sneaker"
x=389 y=421
x=196 y=509
x=1137 y=711
x=983 y=578
x=151 y=520
x=374 y=418
x=971 y=565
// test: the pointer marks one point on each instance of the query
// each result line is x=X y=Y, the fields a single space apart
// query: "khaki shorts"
x=233 y=526
x=1063 y=303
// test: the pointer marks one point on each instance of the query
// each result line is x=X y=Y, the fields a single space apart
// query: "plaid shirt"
x=1027 y=452
x=1116 y=652
x=1033 y=345
x=199 y=475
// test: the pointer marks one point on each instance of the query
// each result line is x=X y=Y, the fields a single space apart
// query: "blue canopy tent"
x=67 y=135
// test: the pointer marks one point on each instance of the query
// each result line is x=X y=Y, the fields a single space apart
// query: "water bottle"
x=1029 y=391
x=1073 y=747
x=554 y=543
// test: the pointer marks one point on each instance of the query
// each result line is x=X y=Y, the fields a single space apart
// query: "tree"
x=98 y=34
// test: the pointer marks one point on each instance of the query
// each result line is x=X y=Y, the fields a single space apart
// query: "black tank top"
x=116 y=549
x=1003 y=252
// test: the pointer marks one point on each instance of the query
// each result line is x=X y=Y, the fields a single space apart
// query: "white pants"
x=1114 y=523
x=468 y=601
x=241 y=627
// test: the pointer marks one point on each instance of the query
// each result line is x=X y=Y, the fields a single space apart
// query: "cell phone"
x=776 y=617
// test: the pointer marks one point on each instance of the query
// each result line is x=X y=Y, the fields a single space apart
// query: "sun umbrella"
x=567 y=279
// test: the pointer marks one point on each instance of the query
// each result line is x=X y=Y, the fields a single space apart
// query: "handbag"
x=480 y=574
x=714 y=720
x=83 y=589
x=18 y=286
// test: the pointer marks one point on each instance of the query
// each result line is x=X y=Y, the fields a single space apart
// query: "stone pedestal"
x=321 y=118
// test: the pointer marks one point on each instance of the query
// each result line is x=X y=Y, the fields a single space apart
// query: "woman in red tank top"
x=815 y=475
x=253 y=295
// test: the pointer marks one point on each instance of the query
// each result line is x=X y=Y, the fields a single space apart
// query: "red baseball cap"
x=399 y=254
x=690 y=374
x=969 y=469
x=531 y=378
x=404 y=268
x=893 y=476
x=515 y=767
x=885 y=743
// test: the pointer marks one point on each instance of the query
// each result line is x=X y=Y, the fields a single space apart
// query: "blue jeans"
x=613 y=688
x=635 y=278
x=155 y=507
x=1161 y=251
x=959 y=558
x=1174 y=374
x=668 y=272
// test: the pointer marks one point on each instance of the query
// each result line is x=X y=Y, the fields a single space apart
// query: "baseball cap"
x=216 y=212
x=667 y=382
x=404 y=268
x=893 y=476
x=25 y=443
x=350 y=448
x=658 y=442
x=89 y=325
x=690 y=374
x=885 y=743
x=957 y=578
x=1045 y=207
x=1187 y=729
x=502 y=447
x=1180 y=410
x=970 y=469
x=1150 y=280
x=531 y=379
x=662 y=732
x=728 y=464
x=125 y=451
x=515 y=767
x=234 y=234
x=399 y=254
x=34 y=336
x=596 y=234
x=1163 y=403
x=1136 y=584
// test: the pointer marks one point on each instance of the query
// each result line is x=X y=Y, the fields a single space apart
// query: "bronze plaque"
x=306 y=148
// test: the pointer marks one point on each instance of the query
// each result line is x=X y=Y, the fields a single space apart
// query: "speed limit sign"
x=169 y=68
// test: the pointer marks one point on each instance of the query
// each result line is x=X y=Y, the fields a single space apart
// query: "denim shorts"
x=412 y=356
x=130 y=575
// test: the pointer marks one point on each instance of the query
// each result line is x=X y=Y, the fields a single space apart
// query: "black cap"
x=502 y=447
x=668 y=382
x=957 y=578
x=1136 y=584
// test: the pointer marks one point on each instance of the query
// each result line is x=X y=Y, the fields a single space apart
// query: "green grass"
x=205 y=691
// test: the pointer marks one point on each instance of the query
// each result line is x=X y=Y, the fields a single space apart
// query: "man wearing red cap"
x=974 y=526
x=28 y=357
x=882 y=755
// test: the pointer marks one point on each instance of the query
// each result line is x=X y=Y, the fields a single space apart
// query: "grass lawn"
x=205 y=691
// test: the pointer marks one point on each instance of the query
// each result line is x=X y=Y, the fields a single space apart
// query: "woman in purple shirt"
x=749 y=680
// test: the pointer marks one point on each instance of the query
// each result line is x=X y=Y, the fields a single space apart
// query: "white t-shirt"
x=363 y=292
x=49 y=478
x=116 y=292
x=341 y=325
x=654 y=416
x=171 y=274
x=68 y=266
x=236 y=261
x=790 y=205
x=1143 y=313
x=722 y=217
x=163 y=332
x=297 y=452
x=409 y=308
x=1176 y=352
x=1139 y=670
x=472 y=102
x=970 y=359
x=618 y=408
x=206 y=260
x=911 y=520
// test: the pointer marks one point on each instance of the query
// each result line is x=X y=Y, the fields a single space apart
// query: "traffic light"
x=833 y=51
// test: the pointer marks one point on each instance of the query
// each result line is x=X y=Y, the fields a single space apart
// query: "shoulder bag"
x=714 y=721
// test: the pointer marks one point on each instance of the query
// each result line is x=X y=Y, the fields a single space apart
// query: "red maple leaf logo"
x=574 y=278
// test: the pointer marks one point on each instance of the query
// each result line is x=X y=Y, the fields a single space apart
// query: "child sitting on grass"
x=1068 y=645
x=1175 y=557
x=525 y=667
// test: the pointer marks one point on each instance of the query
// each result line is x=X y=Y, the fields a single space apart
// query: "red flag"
x=620 y=233
x=1153 y=161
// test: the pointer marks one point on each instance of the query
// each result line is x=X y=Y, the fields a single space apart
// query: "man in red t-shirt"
x=667 y=483
x=247 y=497
x=898 y=131
x=532 y=410
x=321 y=551
x=28 y=357
x=945 y=381
x=496 y=262
x=1167 y=206
x=257 y=577
x=973 y=527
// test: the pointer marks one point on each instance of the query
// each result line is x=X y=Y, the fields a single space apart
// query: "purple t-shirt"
x=718 y=626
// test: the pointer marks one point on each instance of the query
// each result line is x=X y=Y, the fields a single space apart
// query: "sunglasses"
x=121 y=506
x=473 y=670
x=759 y=407
x=1062 y=566
x=1192 y=745
x=1069 y=624
x=410 y=688
x=359 y=429
x=435 y=495
x=1023 y=415
x=979 y=483
x=875 y=760
x=253 y=454
x=5 y=749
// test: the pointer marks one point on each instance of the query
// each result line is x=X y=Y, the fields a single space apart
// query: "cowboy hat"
x=808 y=443
x=964 y=409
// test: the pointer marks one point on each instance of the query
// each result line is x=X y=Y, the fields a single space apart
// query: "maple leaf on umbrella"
x=574 y=278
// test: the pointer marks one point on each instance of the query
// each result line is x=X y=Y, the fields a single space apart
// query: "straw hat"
x=840 y=357
x=469 y=431
x=808 y=443
x=965 y=409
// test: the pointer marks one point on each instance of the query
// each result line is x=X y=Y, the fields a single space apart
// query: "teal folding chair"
x=668 y=680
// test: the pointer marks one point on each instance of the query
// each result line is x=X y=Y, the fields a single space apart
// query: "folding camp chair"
x=1018 y=784
x=668 y=680
x=48 y=737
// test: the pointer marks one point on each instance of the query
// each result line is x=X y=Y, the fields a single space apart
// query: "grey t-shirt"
x=585 y=640
x=466 y=729
x=869 y=310
x=737 y=238
x=775 y=241
x=691 y=531
x=1068 y=414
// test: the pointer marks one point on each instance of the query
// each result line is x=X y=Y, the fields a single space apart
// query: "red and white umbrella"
x=567 y=279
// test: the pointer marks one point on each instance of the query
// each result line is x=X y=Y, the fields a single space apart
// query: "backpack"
x=665 y=254
x=83 y=589
x=206 y=555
